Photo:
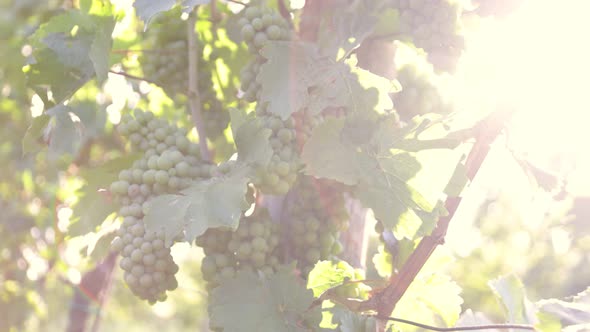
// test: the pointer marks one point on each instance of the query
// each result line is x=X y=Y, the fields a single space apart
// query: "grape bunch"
x=167 y=65
x=170 y=162
x=249 y=85
x=315 y=216
x=252 y=246
x=259 y=25
x=433 y=25
x=281 y=173
x=421 y=93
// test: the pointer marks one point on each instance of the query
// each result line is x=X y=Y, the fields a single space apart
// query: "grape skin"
x=315 y=217
x=149 y=267
x=252 y=246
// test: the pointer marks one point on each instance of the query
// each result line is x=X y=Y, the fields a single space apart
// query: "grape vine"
x=308 y=125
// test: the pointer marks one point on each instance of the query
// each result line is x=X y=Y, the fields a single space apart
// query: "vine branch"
x=463 y=328
x=384 y=302
x=133 y=77
x=194 y=98
x=237 y=2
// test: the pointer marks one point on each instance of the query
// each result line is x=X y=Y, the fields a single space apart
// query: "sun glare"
x=535 y=61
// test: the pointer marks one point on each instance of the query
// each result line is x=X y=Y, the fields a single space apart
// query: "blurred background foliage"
x=509 y=226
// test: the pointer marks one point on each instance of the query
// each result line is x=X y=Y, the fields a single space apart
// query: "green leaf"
x=283 y=78
x=65 y=135
x=189 y=5
x=68 y=51
x=34 y=133
x=325 y=156
x=575 y=312
x=336 y=84
x=217 y=202
x=458 y=181
x=251 y=138
x=147 y=9
x=430 y=299
x=349 y=321
x=93 y=205
x=385 y=262
x=252 y=302
x=52 y=71
x=327 y=274
x=509 y=290
x=99 y=54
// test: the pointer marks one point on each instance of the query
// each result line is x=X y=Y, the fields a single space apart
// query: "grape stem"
x=194 y=98
x=133 y=77
x=237 y=2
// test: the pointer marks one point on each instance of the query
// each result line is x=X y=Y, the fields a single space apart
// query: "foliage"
x=294 y=131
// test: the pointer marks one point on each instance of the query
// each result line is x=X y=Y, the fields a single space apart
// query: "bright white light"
x=535 y=60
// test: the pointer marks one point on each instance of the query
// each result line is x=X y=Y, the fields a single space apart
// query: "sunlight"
x=535 y=61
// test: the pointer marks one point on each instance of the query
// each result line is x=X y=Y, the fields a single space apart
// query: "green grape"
x=167 y=66
x=149 y=267
x=253 y=245
x=314 y=217
x=281 y=172
x=421 y=92
x=259 y=25
x=434 y=26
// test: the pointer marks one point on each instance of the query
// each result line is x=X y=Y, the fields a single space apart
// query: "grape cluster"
x=252 y=246
x=281 y=173
x=170 y=162
x=259 y=25
x=249 y=85
x=167 y=65
x=433 y=25
x=420 y=93
x=315 y=216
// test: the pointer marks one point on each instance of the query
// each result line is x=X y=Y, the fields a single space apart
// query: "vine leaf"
x=251 y=138
x=99 y=54
x=34 y=133
x=66 y=128
x=68 y=51
x=93 y=207
x=326 y=156
x=509 y=290
x=189 y=5
x=327 y=274
x=147 y=9
x=574 y=312
x=349 y=321
x=381 y=178
x=278 y=302
x=430 y=299
x=458 y=181
x=217 y=202
x=283 y=78
x=336 y=84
